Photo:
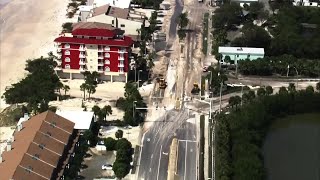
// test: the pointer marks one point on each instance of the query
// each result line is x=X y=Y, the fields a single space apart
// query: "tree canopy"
x=240 y=134
x=38 y=87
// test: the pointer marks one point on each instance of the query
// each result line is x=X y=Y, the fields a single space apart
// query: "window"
x=107 y=69
x=107 y=48
x=122 y=25
x=41 y=146
x=53 y=124
x=107 y=62
x=29 y=169
x=107 y=55
x=67 y=46
x=67 y=59
x=48 y=134
x=67 y=52
x=237 y=55
x=67 y=66
x=36 y=157
x=112 y=22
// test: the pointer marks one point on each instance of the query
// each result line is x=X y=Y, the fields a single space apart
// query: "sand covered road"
x=27 y=30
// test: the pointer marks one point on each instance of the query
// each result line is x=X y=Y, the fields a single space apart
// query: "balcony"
x=100 y=63
x=59 y=57
x=121 y=65
x=121 y=51
x=100 y=57
x=100 y=50
x=82 y=62
x=121 y=58
x=107 y=55
x=59 y=50
x=100 y=69
x=106 y=49
x=82 y=55
x=82 y=48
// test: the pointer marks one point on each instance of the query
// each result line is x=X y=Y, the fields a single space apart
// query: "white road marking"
x=148 y=139
x=165 y=153
x=151 y=156
x=159 y=163
x=185 y=161
x=191 y=150
x=187 y=140
x=150 y=170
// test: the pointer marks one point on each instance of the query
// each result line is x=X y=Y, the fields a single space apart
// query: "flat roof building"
x=82 y=119
x=241 y=53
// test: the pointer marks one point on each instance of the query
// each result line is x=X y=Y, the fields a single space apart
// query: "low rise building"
x=39 y=148
x=91 y=49
x=81 y=119
x=240 y=53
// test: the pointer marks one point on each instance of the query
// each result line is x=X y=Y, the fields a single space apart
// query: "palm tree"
x=83 y=88
x=66 y=88
x=59 y=87
x=269 y=90
x=261 y=92
x=291 y=88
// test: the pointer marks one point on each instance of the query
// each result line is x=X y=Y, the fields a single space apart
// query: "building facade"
x=240 y=53
x=93 y=49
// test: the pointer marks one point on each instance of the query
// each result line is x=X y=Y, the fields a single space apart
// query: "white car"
x=106 y=167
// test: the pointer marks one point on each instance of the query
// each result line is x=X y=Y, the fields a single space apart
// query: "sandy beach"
x=27 y=30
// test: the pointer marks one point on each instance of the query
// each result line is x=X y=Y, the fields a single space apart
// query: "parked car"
x=106 y=167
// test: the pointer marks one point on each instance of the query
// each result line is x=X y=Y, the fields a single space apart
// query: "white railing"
x=82 y=56
x=82 y=62
x=100 y=57
x=82 y=48
x=121 y=65
x=121 y=58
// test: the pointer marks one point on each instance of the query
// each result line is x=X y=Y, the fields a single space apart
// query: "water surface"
x=292 y=148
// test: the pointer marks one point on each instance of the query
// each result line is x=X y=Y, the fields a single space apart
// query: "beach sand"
x=28 y=29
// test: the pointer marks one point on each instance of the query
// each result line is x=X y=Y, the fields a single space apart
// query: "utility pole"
x=220 y=96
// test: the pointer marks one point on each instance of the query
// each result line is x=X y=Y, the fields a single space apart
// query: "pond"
x=292 y=148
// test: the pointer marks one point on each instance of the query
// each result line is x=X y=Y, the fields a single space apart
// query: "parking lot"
x=95 y=163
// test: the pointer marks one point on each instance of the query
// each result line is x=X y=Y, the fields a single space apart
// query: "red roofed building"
x=94 y=49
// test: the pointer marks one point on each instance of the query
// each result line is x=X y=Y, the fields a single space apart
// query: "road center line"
x=159 y=163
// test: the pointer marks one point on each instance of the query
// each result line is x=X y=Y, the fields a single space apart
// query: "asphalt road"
x=154 y=159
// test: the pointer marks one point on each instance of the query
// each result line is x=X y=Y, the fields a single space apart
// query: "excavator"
x=195 y=90
x=162 y=83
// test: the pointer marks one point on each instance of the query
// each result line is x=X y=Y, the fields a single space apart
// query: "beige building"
x=120 y=18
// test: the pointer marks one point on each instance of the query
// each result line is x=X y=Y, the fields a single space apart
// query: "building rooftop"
x=92 y=25
x=111 y=11
x=94 y=32
x=115 y=3
x=82 y=119
x=36 y=147
x=125 y=42
x=241 y=50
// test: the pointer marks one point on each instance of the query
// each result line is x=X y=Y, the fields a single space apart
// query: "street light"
x=220 y=93
x=241 y=93
x=139 y=77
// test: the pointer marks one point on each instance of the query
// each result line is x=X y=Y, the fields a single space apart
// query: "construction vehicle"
x=162 y=83
x=195 y=90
